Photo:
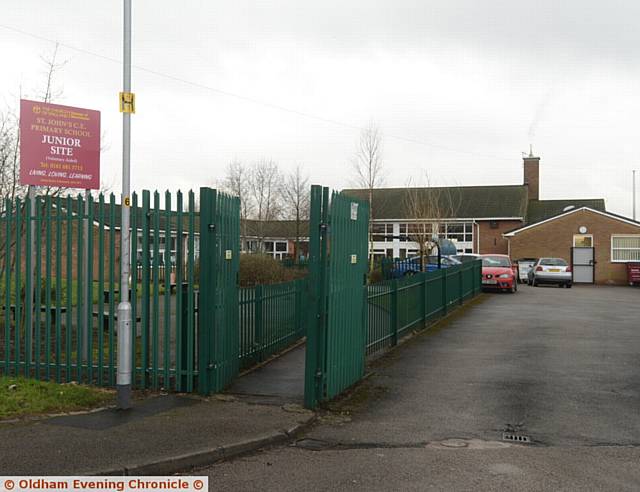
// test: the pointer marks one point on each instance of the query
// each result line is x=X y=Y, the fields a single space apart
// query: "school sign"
x=59 y=146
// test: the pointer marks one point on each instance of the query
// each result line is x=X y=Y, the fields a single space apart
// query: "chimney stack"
x=532 y=175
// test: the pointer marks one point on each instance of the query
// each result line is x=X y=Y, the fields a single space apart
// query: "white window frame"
x=585 y=235
x=613 y=236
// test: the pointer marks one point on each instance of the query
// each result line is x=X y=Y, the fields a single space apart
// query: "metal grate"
x=510 y=436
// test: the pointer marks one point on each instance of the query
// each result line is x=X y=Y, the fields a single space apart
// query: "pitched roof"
x=471 y=201
x=569 y=212
x=538 y=210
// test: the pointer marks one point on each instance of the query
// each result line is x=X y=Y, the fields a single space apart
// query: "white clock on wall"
x=582 y=229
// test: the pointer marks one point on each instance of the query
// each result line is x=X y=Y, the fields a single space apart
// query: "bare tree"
x=10 y=156
x=52 y=66
x=295 y=194
x=265 y=194
x=237 y=182
x=427 y=208
x=369 y=168
x=10 y=187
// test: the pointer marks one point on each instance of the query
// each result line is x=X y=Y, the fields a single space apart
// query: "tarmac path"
x=557 y=367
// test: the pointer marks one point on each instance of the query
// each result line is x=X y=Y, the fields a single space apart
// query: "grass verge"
x=20 y=397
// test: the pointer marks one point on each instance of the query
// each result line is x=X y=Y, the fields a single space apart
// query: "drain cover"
x=454 y=443
x=510 y=436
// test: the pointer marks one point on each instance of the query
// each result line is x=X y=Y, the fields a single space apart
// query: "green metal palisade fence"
x=396 y=306
x=42 y=336
x=59 y=292
x=272 y=317
x=59 y=289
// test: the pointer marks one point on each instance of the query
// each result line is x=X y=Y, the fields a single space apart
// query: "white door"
x=583 y=263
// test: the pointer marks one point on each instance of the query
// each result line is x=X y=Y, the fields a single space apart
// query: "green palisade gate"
x=336 y=335
x=194 y=328
x=219 y=341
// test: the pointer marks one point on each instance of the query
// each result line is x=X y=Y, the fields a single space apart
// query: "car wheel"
x=568 y=286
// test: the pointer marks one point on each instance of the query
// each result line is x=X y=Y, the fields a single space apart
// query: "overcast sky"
x=459 y=88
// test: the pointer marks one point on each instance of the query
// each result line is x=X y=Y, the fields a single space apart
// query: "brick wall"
x=492 y=240
x=555 y=238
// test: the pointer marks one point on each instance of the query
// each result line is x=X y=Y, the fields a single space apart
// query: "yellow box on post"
x=127 y=102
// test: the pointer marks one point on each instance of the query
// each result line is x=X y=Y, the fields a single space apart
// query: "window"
x=582 y=240
x=552 y=262
x=496 y=261
x=377 y=232
x=625 y=248
x=281 y=246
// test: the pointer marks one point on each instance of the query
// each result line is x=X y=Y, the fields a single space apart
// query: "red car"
x=499 y=273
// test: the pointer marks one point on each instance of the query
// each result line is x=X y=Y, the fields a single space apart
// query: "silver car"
x=550 y=271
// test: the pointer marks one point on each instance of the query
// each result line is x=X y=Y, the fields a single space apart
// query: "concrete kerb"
x=205 y=457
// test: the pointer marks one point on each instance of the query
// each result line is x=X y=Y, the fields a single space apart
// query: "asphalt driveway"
x=559 y=365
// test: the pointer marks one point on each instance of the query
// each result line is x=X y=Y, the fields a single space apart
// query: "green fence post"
x=146 y=283
x=155 y=316
x=18 y=291
x=423 y=298
x=259 y=328
x=193 y=322
x=208 y=251
x=29 y=291
x=317 y=299
x=184 y=335
x=299 y=307
x=394 y=312
x=180 y=296
x=443 y=279
x=460 y=286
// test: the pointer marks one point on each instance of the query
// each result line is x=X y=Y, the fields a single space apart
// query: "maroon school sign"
x=59 y=146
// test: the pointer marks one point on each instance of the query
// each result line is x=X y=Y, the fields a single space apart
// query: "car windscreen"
x=433 y=260
x=496 y=261
x=464 y=258
x=553 y=262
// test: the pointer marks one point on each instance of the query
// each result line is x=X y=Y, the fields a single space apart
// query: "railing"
x=272 y=317
x=293 y=263
x=59 y=264
x=396 y=306
x=59 y=290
